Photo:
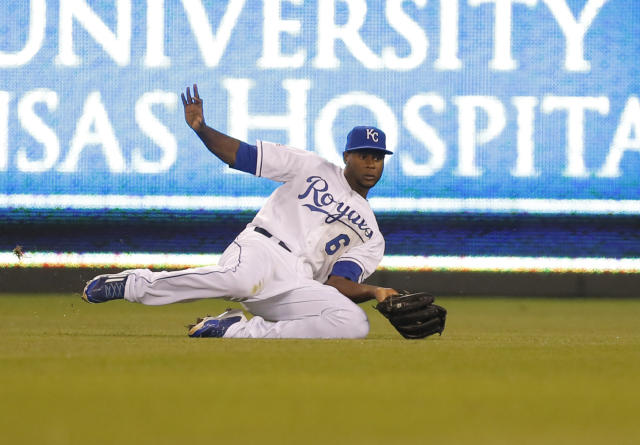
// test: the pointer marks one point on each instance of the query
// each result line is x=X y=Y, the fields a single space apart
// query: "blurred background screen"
x=515 y=124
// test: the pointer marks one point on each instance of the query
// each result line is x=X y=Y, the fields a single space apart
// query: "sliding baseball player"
x=299 y=266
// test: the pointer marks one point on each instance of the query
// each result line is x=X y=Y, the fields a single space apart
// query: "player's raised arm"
x=221 y=145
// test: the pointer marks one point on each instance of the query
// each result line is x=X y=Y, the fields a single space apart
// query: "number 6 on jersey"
x=334 y=245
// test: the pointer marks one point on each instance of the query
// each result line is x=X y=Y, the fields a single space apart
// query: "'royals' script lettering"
x=336 y=210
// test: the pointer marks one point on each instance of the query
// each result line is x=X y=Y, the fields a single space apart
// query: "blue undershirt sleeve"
x=246 y=158
x=347 y=269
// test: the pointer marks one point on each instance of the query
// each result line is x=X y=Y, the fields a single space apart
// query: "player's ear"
x=344 y=156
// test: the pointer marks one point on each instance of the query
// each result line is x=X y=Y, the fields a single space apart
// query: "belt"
x=266 y=233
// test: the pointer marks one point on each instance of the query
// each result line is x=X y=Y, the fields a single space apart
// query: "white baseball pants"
x=272 y=283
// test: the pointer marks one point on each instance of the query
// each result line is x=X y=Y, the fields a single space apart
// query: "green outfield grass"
x=506 y=371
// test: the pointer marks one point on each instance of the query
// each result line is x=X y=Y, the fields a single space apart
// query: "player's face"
x=363 y=169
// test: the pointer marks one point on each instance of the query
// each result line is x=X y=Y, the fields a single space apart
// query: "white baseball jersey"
x=315 y=212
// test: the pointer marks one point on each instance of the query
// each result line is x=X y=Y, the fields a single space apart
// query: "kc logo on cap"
x=372 y=134
x=363 y=137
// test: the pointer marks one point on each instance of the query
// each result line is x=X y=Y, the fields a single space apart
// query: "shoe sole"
x=84 y=292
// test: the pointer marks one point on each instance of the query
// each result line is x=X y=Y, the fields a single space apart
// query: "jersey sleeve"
x=358 y=263
x=246 y=158
x=282 y=163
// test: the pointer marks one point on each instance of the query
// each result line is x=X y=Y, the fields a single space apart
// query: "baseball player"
x=298 y=266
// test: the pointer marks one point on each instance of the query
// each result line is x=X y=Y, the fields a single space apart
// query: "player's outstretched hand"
x=382 y=293
x=193 y=109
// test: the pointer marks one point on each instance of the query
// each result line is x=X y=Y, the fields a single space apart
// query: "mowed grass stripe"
x=508 y=370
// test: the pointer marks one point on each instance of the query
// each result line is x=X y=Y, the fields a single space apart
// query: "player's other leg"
x=311 y=311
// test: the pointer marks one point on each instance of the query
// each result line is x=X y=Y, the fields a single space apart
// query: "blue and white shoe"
x=105 y=288
x=216 y=326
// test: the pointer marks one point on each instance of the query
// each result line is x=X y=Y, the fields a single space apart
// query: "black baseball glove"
x=413 y=314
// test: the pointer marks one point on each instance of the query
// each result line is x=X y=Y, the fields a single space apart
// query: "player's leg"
x=238 y=275
x=311 y=311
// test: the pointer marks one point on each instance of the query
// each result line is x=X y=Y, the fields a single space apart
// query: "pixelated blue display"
x=479 y=98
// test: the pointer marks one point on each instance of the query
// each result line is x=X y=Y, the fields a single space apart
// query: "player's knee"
x=244 y=284
x=350 y=323
x=241 y=288
x=360 y=328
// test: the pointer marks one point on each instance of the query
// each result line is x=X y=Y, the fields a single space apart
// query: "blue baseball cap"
x=362 y=137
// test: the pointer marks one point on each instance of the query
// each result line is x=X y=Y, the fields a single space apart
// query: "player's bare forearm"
x=221 y=145
x=359 y=292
